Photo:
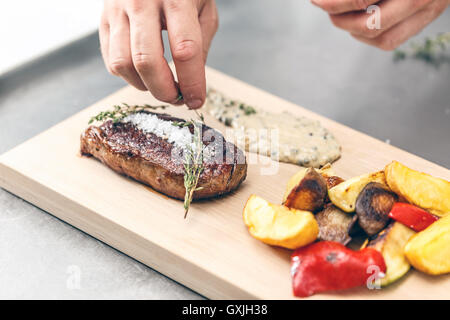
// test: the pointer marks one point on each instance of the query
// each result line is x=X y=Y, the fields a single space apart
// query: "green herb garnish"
x=193 y=166
x=431 y=50
x=122 y=111
x=180 y=97
x=193 y=163
x=181 y=124
x=200 y=116
x=248 y=110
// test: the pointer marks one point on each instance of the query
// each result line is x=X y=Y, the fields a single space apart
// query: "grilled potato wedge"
x=293 y=182
x=326 y=171
x=309 y=194
x=332 y=181
x=344 y=194
x=429 y=250
x=420 y=189
x=391 y=243
x=278 y=225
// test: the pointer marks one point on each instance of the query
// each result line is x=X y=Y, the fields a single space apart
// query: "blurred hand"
x=132 y=46
x=400 y=19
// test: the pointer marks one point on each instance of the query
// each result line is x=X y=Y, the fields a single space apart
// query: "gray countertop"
x=291 y=50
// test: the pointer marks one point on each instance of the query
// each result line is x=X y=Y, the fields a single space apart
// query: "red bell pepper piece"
x=326 y=266
x=412 y=216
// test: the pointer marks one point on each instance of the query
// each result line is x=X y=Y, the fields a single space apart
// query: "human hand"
x=132 y=46
x=400 y=19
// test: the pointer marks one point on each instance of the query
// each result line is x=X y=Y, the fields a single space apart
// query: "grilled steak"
x=149 y=148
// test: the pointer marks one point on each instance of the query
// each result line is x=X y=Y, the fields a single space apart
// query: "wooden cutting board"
x=211 y=251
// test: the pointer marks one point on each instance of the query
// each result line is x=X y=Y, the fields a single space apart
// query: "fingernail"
x=194 y=104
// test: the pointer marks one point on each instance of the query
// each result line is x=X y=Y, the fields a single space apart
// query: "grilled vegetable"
x=344 y=194
x=373 y=206
x=420 y=189
x=429 y=250
x=335 y=224
x=332 y=181
x=278 y=225
x=309 y=194
x=391 y=243
x=412 y=216
x=294 y=181
x=325 y=171
x=326 y=266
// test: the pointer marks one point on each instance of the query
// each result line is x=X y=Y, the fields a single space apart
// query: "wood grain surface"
x=211 y=251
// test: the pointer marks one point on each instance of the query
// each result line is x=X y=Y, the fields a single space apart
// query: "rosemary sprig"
x=120 y=112
x=193 y=166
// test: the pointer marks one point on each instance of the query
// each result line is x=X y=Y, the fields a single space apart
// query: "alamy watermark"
x=375 y=276
x=374 y=21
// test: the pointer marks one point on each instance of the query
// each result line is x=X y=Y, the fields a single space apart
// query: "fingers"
x=103 y=32
x=341 y=6
x=186 y=45
x=397 y=35
x=147 y=52
x=391 y=13
x=132 y=47
x=209 y=22
x=119 y=53
x=400 y=19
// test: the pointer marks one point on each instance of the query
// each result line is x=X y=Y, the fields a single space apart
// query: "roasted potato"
x=332 y=181
x=278 y=225
x=309 y=194
x=294 y=181
x=391 y=244
x=344 y=194
x=420 y=189
x=429 y=250
x=326 y=171
x=372 y=207
x=335 y=224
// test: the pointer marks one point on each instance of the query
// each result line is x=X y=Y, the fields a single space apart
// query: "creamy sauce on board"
x=281 y=136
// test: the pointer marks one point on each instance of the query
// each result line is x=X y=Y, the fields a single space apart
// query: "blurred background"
x=50 y=68
x=33 y=28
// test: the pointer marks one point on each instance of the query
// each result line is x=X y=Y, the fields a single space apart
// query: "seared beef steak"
x=128 y=148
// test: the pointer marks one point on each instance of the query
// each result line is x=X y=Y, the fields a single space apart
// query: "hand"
x=400 y=19
x=132 y=47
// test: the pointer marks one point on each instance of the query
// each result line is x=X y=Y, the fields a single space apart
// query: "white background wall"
x=30 y=28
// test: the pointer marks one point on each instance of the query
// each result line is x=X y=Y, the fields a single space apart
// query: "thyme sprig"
x=120 y=112
x=193 y=166
x=193 y=162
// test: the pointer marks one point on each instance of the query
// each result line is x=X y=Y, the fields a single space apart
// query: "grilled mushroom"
x=335 y=224
x=372 y=207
